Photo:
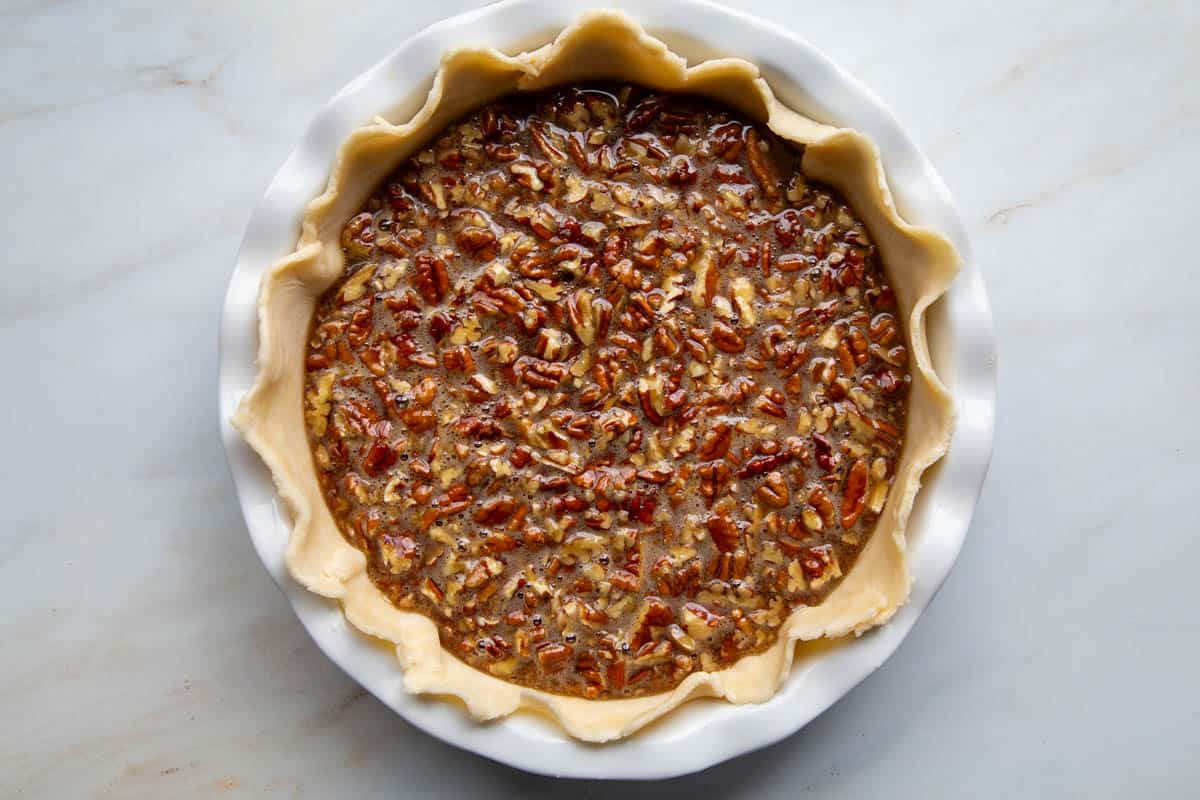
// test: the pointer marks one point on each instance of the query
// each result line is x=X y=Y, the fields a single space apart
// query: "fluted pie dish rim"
x=332 y=568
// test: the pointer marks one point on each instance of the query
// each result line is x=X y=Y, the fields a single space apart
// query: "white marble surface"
x=146 y=653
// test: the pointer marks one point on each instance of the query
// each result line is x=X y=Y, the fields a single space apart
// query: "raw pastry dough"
x=600 y=45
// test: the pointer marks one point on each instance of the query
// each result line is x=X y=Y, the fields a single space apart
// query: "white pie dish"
x=942 y=514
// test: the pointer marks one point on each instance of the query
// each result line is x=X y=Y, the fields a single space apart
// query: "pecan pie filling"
x=607 y=388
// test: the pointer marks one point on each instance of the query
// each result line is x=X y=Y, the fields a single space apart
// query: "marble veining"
x=147 y=653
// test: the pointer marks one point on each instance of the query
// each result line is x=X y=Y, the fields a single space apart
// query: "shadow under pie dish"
x=601 y=382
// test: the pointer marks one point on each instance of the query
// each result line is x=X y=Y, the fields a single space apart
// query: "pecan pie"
x=599 y=397
x=607 y=389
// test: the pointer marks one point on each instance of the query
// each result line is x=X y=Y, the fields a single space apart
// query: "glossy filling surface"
x=607 y=388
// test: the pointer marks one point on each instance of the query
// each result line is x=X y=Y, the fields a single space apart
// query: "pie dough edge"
x=599 y=45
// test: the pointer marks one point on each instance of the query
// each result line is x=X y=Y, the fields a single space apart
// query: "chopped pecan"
x=819 y=499
x=478 y=242
x=724 y=532
x=553 y=656
x=727 y=339
x=716 y=441
x=761 y=464
x=854 y=495
x=774 y=491
x=430 y=278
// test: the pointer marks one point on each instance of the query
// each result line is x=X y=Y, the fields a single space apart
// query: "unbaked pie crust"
x=610 y=46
